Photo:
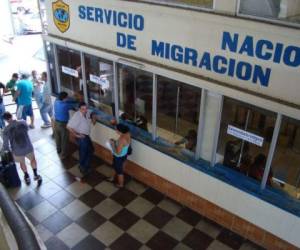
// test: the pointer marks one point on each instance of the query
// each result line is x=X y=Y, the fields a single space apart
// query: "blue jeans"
x=86 y=151
x=2 y=110
x=46 y=109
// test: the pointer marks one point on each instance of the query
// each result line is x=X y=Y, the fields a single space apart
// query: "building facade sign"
x=261 y=58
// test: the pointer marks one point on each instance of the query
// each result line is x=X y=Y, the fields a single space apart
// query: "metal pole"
x=217 y=132
x=201 y=123
x=271 y=151
x=177 y=109
x=84 y=86
x=243 y=142
x=154 y=107
x=116 y=91
x=57 y=71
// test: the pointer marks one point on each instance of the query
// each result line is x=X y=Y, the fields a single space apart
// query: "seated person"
x=190 y=140
x=141 y=122
x=258 y=167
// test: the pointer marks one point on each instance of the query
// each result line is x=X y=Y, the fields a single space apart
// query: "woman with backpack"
x=120 y=149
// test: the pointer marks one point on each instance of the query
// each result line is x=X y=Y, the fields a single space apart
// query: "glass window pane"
x=135 y=88
x=286 y=160
x=178 y=107
x=99 y=78
x=70 y=72
x=245 y=135
x=285 y=10
x=196 y=3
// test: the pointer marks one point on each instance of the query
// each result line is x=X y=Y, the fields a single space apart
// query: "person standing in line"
x=120 y=150
x=16 y=140
x=62 y=106
x=37 y=88
x=24 y=95
x=80 y=126
x=12 y=84
x=46 y=108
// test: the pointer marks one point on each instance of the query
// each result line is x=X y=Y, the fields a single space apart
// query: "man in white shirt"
x=80 y=126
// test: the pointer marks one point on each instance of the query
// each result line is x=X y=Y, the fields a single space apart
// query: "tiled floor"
x=69 y=214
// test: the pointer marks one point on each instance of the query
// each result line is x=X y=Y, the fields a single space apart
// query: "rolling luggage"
x=8 y=171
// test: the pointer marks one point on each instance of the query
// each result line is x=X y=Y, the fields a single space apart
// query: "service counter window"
x=99 y=79
x=70 y=72
x=178 y=107
x=284 y=10
x=286 y=159
x=135 y=96
x=194 y=3
x=245 y=135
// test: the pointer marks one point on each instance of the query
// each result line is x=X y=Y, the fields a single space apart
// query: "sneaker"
x=39 y=180
x=46 y=125
x=27 y=180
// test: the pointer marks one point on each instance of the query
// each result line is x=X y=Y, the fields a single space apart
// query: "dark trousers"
x=61 y=137
x=86 y=151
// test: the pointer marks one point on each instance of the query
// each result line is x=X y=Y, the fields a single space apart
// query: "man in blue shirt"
x=24 y=95
x=62 y=106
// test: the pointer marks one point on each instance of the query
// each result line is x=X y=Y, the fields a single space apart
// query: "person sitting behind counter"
x=189 y=141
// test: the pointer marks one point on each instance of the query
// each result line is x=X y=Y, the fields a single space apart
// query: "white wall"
x=264 y=215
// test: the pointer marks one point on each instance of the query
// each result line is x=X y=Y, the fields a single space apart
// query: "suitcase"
x=8 y=171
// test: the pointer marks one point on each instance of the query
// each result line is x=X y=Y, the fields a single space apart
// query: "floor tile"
x=75 y=209
x=78 y=188
x=48 y=189
x=108 y=208
x=52 y=171
x=144 y=247
x=162 y=241
x=96 y=162
x=46 y=148
x=75 y=171
x=69 y=162
x=209 y=227
x=105 y=170
x=55 y=243
x=177 y=228
x=61 y=199
x=140 y=206
x=182 y=246
x=90 y=221
x=18 y=192
x=136 y=187
x=125 y=242
x=106 y=188
x=29 y=200
x=230 y=239
x=153 y=196
x=75 y=155
x=94 y=178
x=158 y=217
x=197 y=240
x=107 y=233
x=124 y=219
x=92 y=198
x=43 y=232
x=89 y=243
x=57 y=222
x=64 y=180
x=170 y=206
x=123 y=196
x=72 y=234
x=250 y=246
x=142 y=231
x=216 y=245
x=33 y=221
x=42 y=211
x=189 y=216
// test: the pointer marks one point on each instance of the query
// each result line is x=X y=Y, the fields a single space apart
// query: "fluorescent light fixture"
x=131 y=63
